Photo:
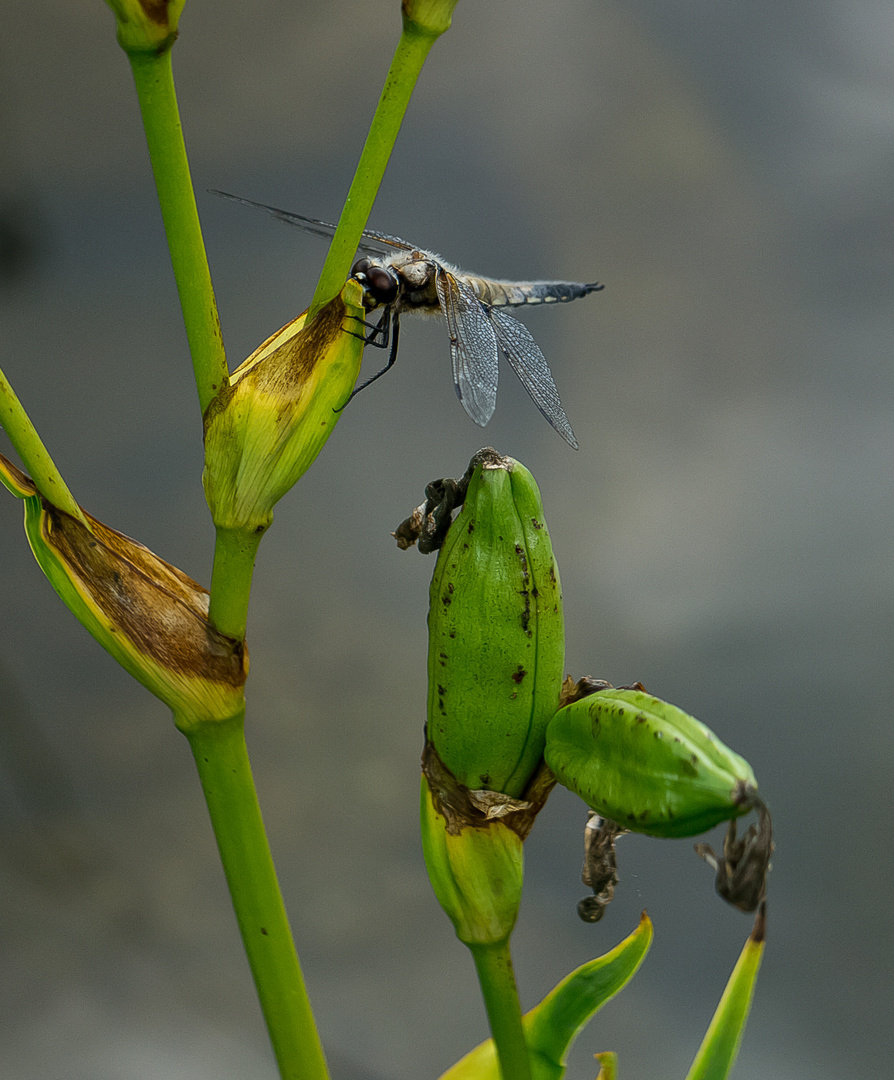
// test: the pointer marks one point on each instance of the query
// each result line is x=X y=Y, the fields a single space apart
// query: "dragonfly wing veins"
x=473 y=347
x=529 y=364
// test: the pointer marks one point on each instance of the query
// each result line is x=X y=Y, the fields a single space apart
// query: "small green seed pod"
x=647 y=765
x=146 y=26
x=265 y=428
x=476 y=871
x=496 y=634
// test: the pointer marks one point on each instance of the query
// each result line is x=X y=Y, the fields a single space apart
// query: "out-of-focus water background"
x=725 y=533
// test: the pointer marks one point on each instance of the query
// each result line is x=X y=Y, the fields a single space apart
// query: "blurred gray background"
x=724 y=533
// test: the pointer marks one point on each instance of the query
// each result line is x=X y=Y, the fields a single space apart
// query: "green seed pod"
x=476 y=871
x=496 y=634
x=647 y=765
x=145 y=26
x=265 y=428
x=429 y=18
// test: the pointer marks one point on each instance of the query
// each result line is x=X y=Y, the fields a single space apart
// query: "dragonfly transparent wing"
x=378 y=242
x=529 y=364
x=473 y=346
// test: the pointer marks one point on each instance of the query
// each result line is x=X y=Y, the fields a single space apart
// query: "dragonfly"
x=400 y=278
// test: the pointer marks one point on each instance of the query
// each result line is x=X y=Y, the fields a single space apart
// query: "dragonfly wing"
x=529 y=364
x=473 y=346
x=376 y=241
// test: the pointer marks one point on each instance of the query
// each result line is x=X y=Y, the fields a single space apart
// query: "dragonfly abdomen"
x=519 y=293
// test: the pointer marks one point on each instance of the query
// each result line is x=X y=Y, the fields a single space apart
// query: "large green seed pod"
x=496 y=634
x=647 y=765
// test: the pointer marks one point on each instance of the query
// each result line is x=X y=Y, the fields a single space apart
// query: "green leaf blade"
x=552 y=1026
x=720 y=1045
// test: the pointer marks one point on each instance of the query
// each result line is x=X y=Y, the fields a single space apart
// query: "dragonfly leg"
x=391 y=333
x=381 y=329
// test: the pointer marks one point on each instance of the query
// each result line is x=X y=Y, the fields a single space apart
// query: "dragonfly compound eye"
x=380 y=284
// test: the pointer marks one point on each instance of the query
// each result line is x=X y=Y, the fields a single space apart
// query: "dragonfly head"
x=380 y=285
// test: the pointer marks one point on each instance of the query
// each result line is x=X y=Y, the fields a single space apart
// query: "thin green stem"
x=222 y=761
x=35 y=457
x=154 y=81
x=494 y=966
x=234 y=561
x=412 y=49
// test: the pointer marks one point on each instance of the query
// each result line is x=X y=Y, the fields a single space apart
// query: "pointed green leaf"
x=551 y=1026
x=718 y=1050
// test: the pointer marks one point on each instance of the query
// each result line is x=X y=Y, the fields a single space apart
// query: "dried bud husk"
x=265 y=428
x=150 y=616
x=600 y=872
x=647 y=765
x=496 y=632
x=743 y=865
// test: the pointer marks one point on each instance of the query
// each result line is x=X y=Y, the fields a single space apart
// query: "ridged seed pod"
x=496 y=633
x=647 y=765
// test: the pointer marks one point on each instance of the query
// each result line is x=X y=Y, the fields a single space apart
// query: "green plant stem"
x=234 y=561
x=35 y=457
x=154 y=81
x=222 y=761
x=409 y=56
x=234 y=553
x=494 y=966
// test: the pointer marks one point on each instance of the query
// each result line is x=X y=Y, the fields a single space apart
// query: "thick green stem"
x=35 y=457
x=494 y=966
x=154 y=81
x=222 y=760
x=412 y=49
x=234 y=563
